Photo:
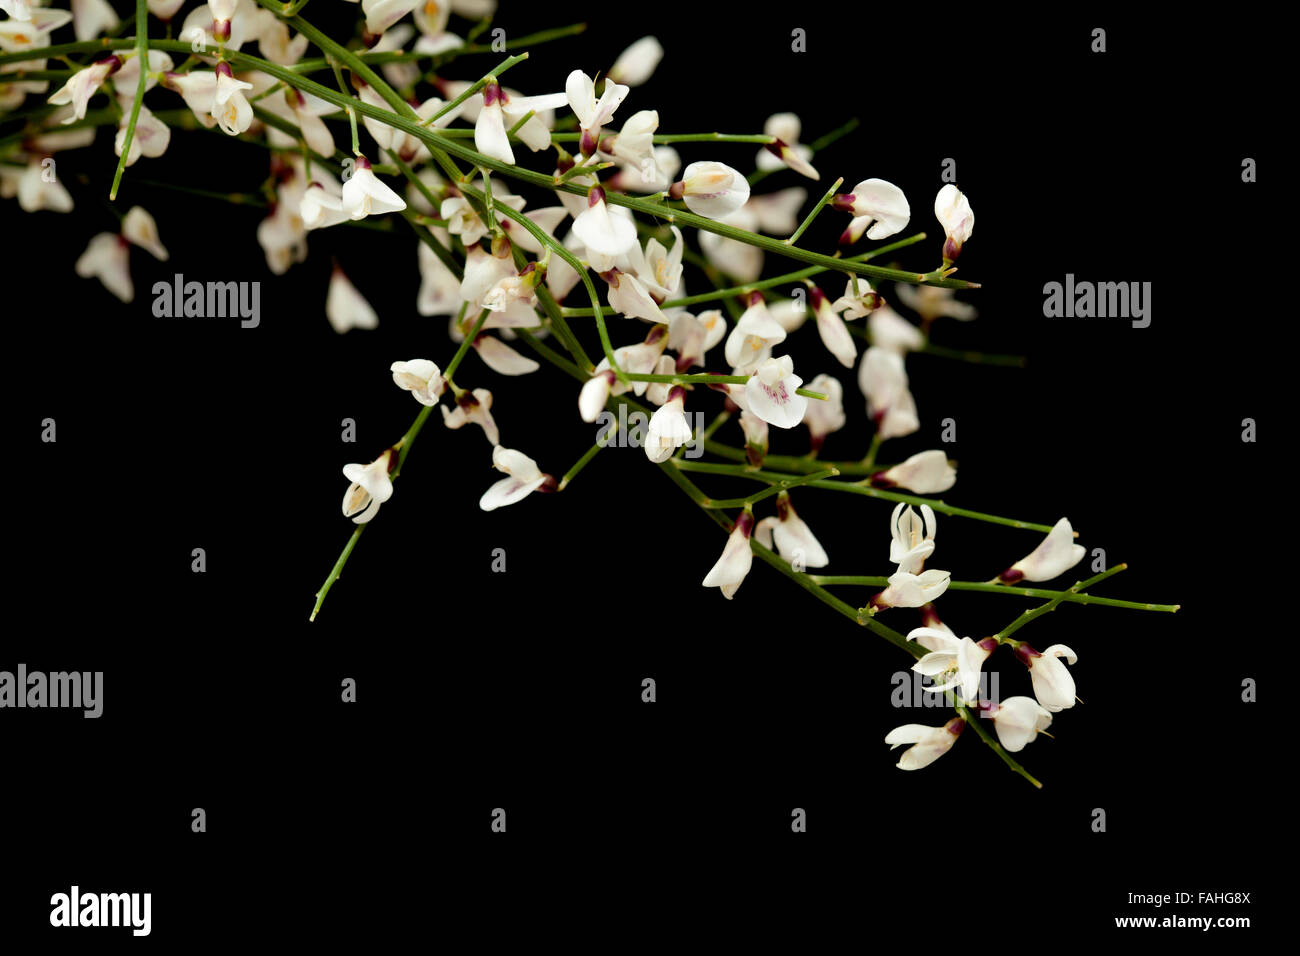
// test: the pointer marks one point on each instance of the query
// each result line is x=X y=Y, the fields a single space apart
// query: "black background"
x=522 y=690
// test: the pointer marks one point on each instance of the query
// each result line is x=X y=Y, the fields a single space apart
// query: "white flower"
x=82 y=85
x=633 y=146
x=668 y=428
x=909 y=586
x=857 y=303
x=711 y=189
x=364 y=194
x=891 y=331
x=928 y=743
x=1018 y=721
x=151 y=137
x=753 y=335
x=911 y=537
x=473 y=408
x=524 y=478
x=421 y=378
x=756 y=437
x=883 y=380
x=951 y=662
x=691 y=336
x=629 y=296
x=740 y=260
x=874 y=203
x=660 y=269
x=199 y=90
x=637 y=63
x=926 y=473
x=319 y=208
x=106 y=258
x=370 y=487
x=601 y=232
x=230 y=108
x=952 y=209
x=932 y=301
x=139 y=228
x=770 y=393
x=826 y=415
x=594 y=395
x=34 y=193
x=90 y=18
x=127 y=79
x=307 y=112
x=592 y=113
x=345 y=307
x=639 y=359
x=786 y=151
x=165 y=9
x=439 y=287
x=834 y=333
x=501 y=358
x=794 y=539
x=1053 y=683
x=382 y=14
x=1054 y=556
x=731 y=568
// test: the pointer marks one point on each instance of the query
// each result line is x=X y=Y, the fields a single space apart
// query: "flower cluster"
x=624 y=216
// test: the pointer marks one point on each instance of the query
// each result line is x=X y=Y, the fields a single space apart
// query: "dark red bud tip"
x=491 y=94
x=657 y=332
x=1011 y=576
x=776 y=148
x=549 y=485
x=815 y=442
x=466 y=400
x=677 y=190
x=369 y=39
x=223 y=69
x=755 y=455
x=114 y=63
x=929 y=616
x=610 y=277
x=817 y=296
x=745 y=523
x=783 y=506
x=754 y=298
x=587 y=144
x=677 y=394
x=594 y=195
x=878 y=480
x=988 y=644
x=951 y=250
x=955 y=726
x=843 y=202
x=607 y=144
x=221 y=30
x=564 y=164
x=877 y=603
x=987 y=708
x=846 y=237
x=1026 y=654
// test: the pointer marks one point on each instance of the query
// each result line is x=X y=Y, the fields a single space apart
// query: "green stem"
x=740 y=291
x=939 y=506
x=1071 y=595
x=142 y=54
x=1027 y=616
x=973 y=721
x=821 y=204
x=580 y=464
